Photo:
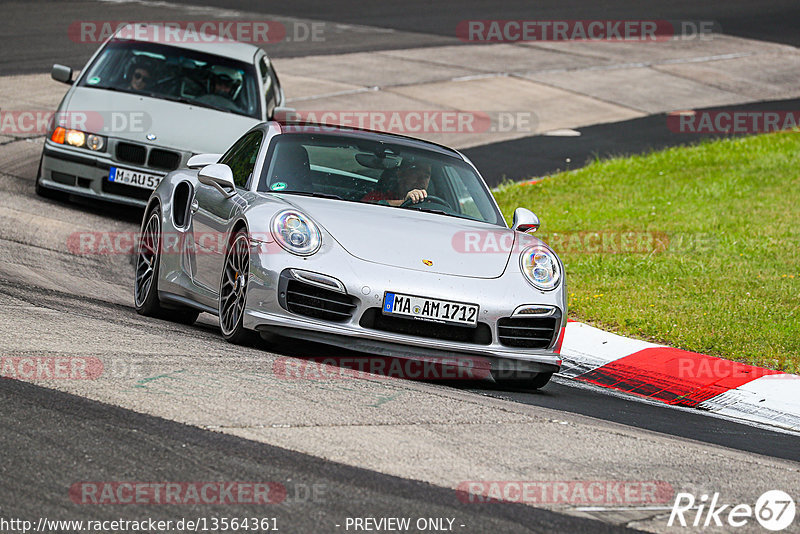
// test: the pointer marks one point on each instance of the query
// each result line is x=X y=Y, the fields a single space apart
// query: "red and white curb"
x=682 y=378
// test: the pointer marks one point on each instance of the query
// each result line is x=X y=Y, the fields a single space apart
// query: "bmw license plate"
x=425 y=309
x=134 y=178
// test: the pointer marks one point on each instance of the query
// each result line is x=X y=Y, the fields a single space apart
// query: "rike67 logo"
x=774 y=510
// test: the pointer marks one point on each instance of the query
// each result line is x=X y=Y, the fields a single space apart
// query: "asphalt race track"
x=40 y=465
x=773 y=21
x=541 y=155
x=179 y=404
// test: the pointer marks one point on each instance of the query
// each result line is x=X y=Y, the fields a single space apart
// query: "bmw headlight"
x=541 y=268
x=78 y=139
x=296 y=233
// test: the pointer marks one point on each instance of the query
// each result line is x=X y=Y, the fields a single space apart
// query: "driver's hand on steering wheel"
x=416 y=195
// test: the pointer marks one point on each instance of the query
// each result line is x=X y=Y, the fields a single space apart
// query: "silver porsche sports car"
x=144 y=105
x=375 y=242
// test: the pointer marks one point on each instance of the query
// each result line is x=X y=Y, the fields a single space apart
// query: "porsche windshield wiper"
x=311 y=194
x=438 y=212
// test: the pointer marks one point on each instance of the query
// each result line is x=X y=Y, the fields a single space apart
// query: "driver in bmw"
x=411 y=184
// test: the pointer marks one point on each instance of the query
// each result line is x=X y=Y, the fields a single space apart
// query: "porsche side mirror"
x=525 y=221
x=198 y=161
x=285 y=114
x=220 y=177
x=61 y=73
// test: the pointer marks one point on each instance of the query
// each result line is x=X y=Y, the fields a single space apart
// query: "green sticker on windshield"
x=94 y=80
x=278 y=186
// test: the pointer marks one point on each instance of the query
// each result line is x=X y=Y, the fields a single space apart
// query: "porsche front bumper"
x=366 y=282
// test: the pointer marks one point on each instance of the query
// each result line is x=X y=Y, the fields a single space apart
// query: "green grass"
x=722 y=275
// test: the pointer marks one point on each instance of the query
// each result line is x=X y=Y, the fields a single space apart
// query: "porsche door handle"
x=194 y=206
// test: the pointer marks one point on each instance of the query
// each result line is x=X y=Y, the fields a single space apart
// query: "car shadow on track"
x=317 y=360
x=102 y=208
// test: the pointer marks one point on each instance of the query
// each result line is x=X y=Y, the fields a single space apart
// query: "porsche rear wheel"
x=145 y=289
x=233 y=290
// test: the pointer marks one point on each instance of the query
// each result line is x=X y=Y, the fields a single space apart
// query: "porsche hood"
x=412 y=239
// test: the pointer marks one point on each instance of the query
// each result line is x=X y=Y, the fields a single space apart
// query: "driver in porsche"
x=411 y=185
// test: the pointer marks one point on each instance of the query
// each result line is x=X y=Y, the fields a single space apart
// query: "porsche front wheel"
x=145 y=289
x=233 y=290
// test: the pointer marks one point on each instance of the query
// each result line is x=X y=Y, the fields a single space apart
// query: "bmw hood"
x=175 y=125
x=412 y=239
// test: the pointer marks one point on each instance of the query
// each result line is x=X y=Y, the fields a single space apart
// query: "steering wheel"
x=164 y=81
x=430 y=198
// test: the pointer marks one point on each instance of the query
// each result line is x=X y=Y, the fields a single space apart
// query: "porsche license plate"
x=426 y=309
x=134 y=178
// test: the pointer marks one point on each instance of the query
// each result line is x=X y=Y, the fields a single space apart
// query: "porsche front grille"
x=528 y=332
x=320 y=303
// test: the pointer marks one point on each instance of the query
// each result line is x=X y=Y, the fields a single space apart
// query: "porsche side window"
x=241 y=158
x=472 y=199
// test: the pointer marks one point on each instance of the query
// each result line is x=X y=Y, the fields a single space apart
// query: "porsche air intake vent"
x=314 y=301
x=528 y=332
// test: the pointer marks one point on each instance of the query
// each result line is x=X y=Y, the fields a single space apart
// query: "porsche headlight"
x=541 y=268
x=296 y=233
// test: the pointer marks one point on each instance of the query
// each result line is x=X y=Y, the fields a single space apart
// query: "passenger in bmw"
x=140 y=73
x=410 y=183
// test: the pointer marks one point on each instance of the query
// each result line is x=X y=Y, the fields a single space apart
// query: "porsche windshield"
x=177 y=74
x=363 y=170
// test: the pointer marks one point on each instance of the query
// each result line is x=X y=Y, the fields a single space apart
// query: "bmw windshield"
x=362 y=170
x=177 y=74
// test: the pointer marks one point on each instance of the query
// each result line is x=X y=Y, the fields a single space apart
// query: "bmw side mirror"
x=61 y=73
x=220 y=177
x=284 y=114
x=525 y=221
